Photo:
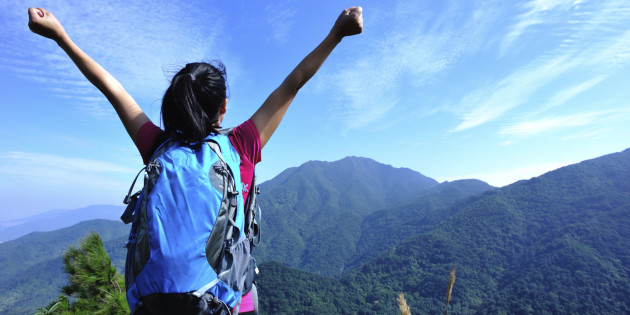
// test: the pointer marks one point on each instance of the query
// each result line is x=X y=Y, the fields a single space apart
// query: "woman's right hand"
x=349 y=22
x=44 y=23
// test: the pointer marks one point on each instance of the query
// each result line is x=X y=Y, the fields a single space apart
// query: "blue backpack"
x=189 y=233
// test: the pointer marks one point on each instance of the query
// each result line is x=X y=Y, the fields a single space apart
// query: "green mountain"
x=32 y=268
x=556 y=244
x=284 y=290
x=312 y=214
x=384 y=229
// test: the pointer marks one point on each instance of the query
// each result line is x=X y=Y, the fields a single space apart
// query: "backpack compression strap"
x=224 y=225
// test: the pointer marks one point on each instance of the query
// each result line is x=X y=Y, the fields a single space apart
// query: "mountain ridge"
x=553 y=244
x=318 y=202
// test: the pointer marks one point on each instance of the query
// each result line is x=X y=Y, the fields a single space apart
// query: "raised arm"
x=268 y=116
x=46 y=24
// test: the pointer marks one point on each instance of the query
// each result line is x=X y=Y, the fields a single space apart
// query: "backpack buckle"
x=232 y=193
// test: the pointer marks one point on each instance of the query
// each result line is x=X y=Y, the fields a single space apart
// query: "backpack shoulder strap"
x=216 y=148
x=226 y=131
x=161 y=149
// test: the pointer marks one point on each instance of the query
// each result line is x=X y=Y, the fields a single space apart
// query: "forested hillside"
x=556 y=244
x=313 y=215
x=386 y=228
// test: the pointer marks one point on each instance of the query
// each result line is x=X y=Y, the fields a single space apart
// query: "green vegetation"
x=556 y=244
x=284 y=290
x=386 y=228
x=32 y=271
x=315 y=217
x=93 y=282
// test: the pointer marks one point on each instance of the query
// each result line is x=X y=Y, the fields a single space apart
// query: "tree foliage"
x=32 y=271
x=94 y=285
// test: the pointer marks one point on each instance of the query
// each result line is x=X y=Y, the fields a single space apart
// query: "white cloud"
x=529 y=128
x=58 y=181
x=594 y=135
x=594 y=47
x=410 y=54
x=563 y=96
x=609 y=55
x=546 y=124
x=280 y=17
x=538 y=12
x=489 y=103
x=54 y=181
x=24 y=163
x=133 y=41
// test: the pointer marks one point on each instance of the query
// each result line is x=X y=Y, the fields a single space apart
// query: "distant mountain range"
x=56 y=219
x=348 y=236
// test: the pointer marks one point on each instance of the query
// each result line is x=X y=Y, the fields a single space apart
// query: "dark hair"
x=192 y=103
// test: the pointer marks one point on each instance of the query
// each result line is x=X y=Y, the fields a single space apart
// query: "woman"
x=195 y=103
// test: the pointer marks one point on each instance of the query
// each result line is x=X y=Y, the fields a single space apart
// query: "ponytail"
x=192 y=103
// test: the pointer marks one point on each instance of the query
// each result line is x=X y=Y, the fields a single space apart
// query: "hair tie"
x=192 y=77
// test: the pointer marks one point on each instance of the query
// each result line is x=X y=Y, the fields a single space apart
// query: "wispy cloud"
x=489 y=103
x=280 y=17
x=132 y=41
x=533 y=127
x=538 y=12
x=529 y=128
x=54 y=181
x=597 y=134
x=409 y=54
x=591 y=47
x=565 y=95
x=19 y=160
x=51 y=170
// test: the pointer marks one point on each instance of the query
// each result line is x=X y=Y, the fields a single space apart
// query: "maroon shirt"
x=244 y=138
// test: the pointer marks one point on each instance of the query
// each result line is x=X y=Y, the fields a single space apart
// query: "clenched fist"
x=349 y=22
x=44 y=23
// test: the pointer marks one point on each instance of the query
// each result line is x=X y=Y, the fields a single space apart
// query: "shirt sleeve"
x=246 y=141
x=147 y=140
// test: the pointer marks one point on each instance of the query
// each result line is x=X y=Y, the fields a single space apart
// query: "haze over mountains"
x=347 y=236
x=56 y=219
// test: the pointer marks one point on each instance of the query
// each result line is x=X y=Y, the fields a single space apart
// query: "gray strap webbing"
x=205 y=288
x=216 y=148
x=226 y=131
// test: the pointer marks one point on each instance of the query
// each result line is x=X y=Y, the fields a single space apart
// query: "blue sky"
x=494 y=90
